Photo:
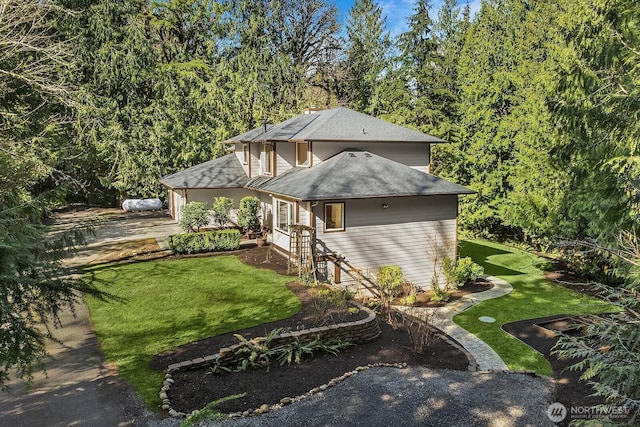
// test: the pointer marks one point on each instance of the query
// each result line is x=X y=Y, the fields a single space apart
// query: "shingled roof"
x=337 y=124
x=354 y=174
x=223 y=172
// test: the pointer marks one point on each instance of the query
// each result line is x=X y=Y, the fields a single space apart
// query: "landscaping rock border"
x=356 y=332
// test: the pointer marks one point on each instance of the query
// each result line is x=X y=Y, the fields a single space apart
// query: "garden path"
x=486 y=358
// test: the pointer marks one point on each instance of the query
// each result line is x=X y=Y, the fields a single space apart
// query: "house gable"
x=328 y=132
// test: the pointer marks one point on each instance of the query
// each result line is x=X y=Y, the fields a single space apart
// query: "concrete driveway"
x=115 y=229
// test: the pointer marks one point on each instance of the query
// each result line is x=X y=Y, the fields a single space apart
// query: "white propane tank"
x=132 y=205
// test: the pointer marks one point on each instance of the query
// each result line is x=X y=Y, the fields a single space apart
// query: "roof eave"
x=376 y=196
x=439 y=141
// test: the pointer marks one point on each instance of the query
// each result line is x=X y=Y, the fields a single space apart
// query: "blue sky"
x=397 y=11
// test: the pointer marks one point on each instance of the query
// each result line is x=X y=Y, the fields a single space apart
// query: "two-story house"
x=363 y=184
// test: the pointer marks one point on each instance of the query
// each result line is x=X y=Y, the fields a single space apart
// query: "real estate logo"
x=557 y=412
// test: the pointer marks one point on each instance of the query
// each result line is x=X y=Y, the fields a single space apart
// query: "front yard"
x=164 y=304
x=533 y=296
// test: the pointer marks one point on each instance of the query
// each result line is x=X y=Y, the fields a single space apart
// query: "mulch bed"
x=568 y=390
x=423 y=299
x=194 y=389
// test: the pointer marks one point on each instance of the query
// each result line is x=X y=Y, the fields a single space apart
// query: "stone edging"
x=357 y=332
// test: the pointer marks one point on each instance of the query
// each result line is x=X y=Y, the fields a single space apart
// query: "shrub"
x=438 y=294
x=208 y=241
x=261 y=351
x=409 y=299
x=468 y=270
x=449 y=272
x=390 y=278
x=459 y=273
x=194 y=215
x=249 y=213
x=420 y=329
x=221 y=208
x=324 y=301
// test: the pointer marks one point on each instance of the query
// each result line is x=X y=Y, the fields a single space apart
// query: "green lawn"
x=164 y=304
x=532 y=296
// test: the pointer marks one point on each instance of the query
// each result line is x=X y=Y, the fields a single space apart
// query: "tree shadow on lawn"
x=481 y=253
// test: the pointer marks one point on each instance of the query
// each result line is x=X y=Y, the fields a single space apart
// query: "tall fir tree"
x=422 y=64
x=597 y=112
x=505 y=74
x=367 y=51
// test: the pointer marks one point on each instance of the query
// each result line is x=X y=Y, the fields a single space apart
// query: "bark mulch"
x=568 y=390
x=537 y=333
x=423 y=299
x=194 y=389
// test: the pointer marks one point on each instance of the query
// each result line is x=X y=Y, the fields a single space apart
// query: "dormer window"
x=245 y=154
x=268 y=159
x=302 y=154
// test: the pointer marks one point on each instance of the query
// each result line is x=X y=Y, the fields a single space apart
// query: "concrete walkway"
x=485 y=357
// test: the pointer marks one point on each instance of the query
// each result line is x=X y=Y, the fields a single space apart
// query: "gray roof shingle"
x=223 y=172
x=354 y=174
x=337 y=124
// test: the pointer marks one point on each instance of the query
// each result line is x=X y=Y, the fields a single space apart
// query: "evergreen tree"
x=36 y=101
x=450 y=31
x=598 y=117
x=505 y=73
x=367 y=51
x=422 y=63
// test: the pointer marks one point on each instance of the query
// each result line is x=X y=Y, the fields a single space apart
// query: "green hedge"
x=207 y=241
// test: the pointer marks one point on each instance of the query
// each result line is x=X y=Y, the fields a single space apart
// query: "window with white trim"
x=285 y=215
x=302 y=154
x=268 y=159
x=245 y=154
x=334 y=216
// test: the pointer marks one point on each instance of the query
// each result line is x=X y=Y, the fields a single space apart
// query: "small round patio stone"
x=486 y=319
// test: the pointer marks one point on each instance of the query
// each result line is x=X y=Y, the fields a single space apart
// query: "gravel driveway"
x=418 y=396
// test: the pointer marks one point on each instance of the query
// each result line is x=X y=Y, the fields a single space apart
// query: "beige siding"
x=238 y=147
x=416 y=233
x=256 y=153
x=285 y=157
x=176 y=201
x=304 y=214
x=415 y=155
x=266 y=213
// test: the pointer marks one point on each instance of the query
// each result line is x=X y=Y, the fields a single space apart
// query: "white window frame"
x=334 y=229
x=268 y=159
x=306 y=162
x=245 y=153
x=290 y=215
